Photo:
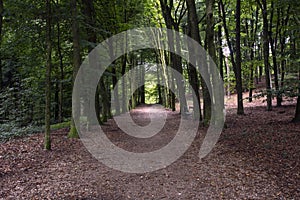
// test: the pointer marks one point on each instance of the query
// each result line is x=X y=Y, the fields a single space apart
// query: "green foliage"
x=12 y=130
x=60 y=125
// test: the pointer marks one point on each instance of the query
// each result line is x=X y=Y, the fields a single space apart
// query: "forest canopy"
x=255 y=45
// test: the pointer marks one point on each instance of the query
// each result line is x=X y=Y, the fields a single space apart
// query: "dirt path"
x=257 y=157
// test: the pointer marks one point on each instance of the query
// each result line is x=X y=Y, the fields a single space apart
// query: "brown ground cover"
x=256 y=157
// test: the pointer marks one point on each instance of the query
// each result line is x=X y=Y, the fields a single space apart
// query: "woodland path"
x=256 y=157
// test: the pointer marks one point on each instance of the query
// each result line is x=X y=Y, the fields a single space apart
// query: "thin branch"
x=202 y=18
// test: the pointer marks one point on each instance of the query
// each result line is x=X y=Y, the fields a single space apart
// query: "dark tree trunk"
x=238 y=68
x=221 y=55
x=210 y=45
x=62 y=76
x=89 y=13
x=252 y=54
x=297 y=113
x=47 y=142
x=176 y=61
x=195 y=34
x=76 y=65
x=273 y=44
x=142 y=78
x=1 y=25
x=263 y=6
x=282 y=39
x=159 y=89
x=124 y=85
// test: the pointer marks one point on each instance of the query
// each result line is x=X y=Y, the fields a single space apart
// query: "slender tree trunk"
x=159 y=88
x=194 y=33
x=178 y=65
x=297 y=113
x=105 y=100
x=238 y=68
x=76 y=65
x=263 y=6
x=47 y=142
x=221 y=55
x=252 y=54
x=62 y=76
x=210 y=45
x=235 y=63
x=1 y=25
x=124 y=85
x=142 y=78
x=174 y=44
x=89 y=13
x=273 y=44
x=282 y=36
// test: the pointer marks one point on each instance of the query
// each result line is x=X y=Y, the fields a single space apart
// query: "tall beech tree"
x=1 y=22
x=238 y=66
x=47 y=142
x=76 y=65
x=264 y=7
x=193 y=32
x=236 y=69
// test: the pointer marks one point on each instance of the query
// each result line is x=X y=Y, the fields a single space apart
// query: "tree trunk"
x=76 y=65
x=238 y=69
x=142 y=77
x=210 y=43
x=297 y=113
x=1 y=25
x=235 y=63
x=266 y=53
x=89 y=13
x=252 y=54
x=62 y=76
x=194 y=33
x=221 y=55
x=124 y=85
x=104 y=100
x=47 y=142
x=273 y=44
x=178 y=67
x=176 y=62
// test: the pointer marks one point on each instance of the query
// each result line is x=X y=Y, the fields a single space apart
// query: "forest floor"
x=256 y=157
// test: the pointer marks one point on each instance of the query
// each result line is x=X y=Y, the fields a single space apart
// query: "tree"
x=76 y=64
x=174 y=45
x=1 y=22
x=238 y=68
x=263 y=6
x=297 y=113
x=47 y=142
x=210 y=46
x=194 y=33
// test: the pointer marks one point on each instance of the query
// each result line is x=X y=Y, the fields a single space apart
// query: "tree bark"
x=62 y=76
x=235 y=63
x=238 y=68
x=273 y=44
x=176 y=62
x=1 y=25
x=194 y=33
x=263 y=6
x=76 y=65
x=221 y=55
x=210 y=43
x=47 y=142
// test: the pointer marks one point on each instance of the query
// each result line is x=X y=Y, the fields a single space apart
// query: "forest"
x=252 y=73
